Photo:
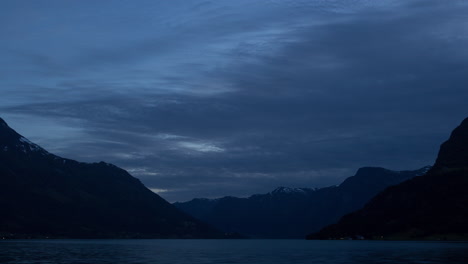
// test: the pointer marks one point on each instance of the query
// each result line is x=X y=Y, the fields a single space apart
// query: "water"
x=229 y=251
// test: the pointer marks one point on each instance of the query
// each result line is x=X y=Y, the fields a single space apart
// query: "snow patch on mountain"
x=424 y=170
x=26 y=146
x=289 y=190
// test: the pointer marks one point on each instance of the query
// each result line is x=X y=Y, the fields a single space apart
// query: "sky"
x=212 y=98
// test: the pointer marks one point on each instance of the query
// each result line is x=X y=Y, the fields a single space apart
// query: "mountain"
x=43 y=195
x=433 y=206
x=293 y=212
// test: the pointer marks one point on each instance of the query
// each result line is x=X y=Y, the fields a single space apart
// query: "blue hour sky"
x=236 y=97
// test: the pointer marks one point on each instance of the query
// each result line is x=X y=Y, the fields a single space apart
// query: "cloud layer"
x=213 y=98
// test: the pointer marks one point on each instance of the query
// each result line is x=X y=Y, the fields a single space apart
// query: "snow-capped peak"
x=287 y=190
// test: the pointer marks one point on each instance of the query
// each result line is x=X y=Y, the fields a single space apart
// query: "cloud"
x=213 y=98
x=200 y=146
x=158 y=191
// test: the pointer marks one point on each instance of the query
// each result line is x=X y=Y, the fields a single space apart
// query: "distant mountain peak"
x=453 y=153
x=372 y=171
x=288 y=190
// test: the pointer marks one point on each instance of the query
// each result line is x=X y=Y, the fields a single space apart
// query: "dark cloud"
x=227 y=100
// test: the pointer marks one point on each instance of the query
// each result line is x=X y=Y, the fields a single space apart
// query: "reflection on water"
x=229 y=251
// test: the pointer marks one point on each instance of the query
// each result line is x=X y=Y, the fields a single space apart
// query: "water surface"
x=229 y=251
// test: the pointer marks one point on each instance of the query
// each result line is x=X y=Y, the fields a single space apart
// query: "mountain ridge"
x=433 y=206
x=289 y=212
x=45 y=195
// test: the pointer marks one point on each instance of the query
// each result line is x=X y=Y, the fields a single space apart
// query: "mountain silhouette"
x=432 y=206
x=293 y=212
x=44 y=195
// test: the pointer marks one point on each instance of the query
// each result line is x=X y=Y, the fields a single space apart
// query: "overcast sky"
x=236 y=97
